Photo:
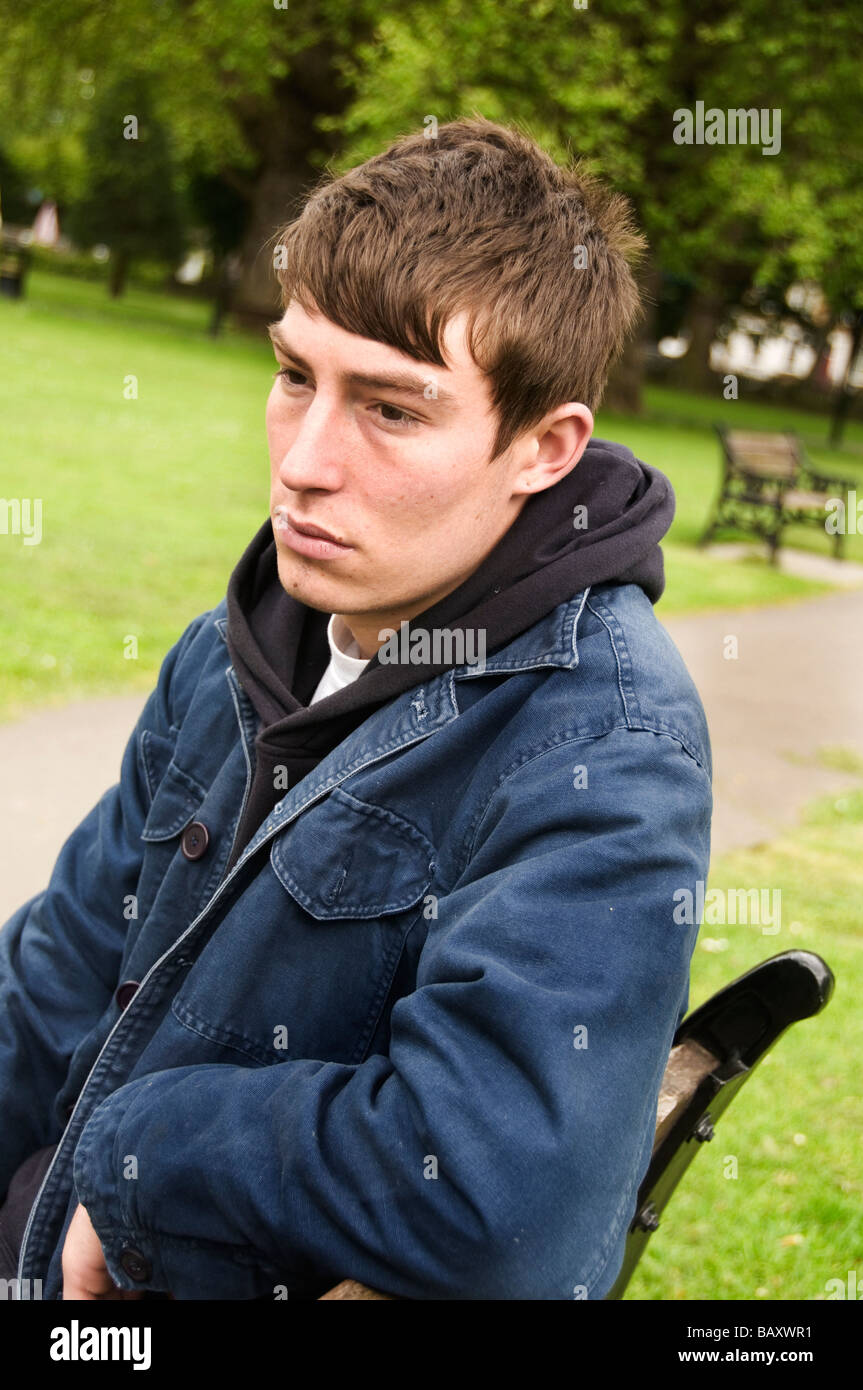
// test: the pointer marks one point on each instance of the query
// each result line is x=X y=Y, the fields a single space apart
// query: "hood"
x=279 y=646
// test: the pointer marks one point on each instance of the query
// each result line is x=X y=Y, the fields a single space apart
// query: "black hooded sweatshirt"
x=279 y=646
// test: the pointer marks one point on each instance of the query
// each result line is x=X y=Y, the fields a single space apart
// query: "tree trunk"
x=817 y=374
x=626 y=378
x=278 y=191
x=284 y=132
x=623 y=392
x=843 y=398
x=225 y=269
x=119 y=271
x=706 y=312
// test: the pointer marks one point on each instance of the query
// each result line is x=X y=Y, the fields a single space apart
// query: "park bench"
x=14 y=260
x=714 y=1051
x=768 y=484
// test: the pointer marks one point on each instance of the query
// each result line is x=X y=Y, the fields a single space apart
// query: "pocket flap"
x=177 y=798
x=348 y=858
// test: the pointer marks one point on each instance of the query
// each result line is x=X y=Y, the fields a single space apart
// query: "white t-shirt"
x=344 y=666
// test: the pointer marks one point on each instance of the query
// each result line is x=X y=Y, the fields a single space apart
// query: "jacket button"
x=126 y=992
x=195 y=839
x=136 y=1265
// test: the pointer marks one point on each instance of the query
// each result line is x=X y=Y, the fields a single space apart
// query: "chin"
x=302 y=582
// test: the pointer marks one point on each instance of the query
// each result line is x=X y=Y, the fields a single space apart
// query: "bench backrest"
x=761 y=454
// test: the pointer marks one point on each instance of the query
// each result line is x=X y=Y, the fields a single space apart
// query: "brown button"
x=136 y=1265
x=195 y=839
x=126 y=992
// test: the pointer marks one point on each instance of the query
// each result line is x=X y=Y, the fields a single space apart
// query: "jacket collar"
x=551 y=641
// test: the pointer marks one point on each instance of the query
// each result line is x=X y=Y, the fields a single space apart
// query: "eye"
x=404 y=422
x=286 y=372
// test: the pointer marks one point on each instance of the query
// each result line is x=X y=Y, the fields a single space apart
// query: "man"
x=368 y=966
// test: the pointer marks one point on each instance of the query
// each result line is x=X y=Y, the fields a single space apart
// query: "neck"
x=357 y=629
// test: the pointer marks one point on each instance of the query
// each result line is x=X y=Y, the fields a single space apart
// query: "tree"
x=264 y=97
x=604 y=83
x=224 y=214
x=131 y=201
x=241 y=88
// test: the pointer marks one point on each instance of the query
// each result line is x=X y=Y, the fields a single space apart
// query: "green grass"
x=148 y=503
x=792 y=1219
x=676 y=407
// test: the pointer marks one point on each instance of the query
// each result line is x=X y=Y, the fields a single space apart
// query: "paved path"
x=55 y=766
x=795 y=685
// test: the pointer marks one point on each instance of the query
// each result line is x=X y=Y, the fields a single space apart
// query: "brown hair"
x=478 y=219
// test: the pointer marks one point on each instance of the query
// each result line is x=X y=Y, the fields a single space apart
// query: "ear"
x=553 y=447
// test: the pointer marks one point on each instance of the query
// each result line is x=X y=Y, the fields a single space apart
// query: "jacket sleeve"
x=497 y=1150
x=60 y=951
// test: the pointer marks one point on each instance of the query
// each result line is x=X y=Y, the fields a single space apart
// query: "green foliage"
x=132 y=202
x=602 y=83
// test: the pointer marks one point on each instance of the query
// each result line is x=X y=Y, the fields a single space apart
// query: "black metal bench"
x=14 y=260
x=715 y=1050
x=768 y=484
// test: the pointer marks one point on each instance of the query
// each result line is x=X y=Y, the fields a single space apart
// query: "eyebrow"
x=405 y=382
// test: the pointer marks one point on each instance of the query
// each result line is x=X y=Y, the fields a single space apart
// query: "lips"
x=306 y=529
x=308 y=539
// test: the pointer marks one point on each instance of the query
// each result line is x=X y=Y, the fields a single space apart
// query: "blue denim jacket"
x=416 y=1036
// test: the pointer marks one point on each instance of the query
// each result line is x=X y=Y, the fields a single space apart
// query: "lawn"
x=792 y=1218
x=147 y=503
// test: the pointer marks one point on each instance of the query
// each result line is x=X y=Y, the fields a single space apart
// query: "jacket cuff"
x=103 y=1177
x=144 y=1259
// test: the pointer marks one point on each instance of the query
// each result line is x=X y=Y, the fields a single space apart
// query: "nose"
x=312 y=446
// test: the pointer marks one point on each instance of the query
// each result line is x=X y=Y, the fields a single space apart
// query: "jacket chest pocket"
x=176 y=798
x=301 y=966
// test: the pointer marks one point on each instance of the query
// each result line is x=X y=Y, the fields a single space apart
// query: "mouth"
x=306 y=539
x=305 y=529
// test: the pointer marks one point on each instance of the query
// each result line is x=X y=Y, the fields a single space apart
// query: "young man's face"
x=399 y=476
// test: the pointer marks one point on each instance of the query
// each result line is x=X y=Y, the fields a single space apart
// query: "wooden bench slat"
x=687 y=1067
x=349 y=1288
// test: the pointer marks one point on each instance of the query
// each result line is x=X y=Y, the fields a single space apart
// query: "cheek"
x=434 y=498
x=431 y=487
x=279 y=431
x=272 y=413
